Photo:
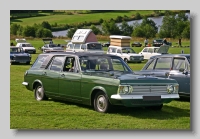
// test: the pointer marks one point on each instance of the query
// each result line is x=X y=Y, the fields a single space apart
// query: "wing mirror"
x=183 y=71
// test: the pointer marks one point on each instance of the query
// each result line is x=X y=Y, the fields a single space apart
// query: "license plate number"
x=151 y=98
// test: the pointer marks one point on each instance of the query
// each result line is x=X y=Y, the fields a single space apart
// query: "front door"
x=69 y=79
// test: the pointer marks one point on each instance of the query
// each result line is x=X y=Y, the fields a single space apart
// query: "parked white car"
x=153 y=51
x=27 y=47
x=83 y=47
x=126 y=53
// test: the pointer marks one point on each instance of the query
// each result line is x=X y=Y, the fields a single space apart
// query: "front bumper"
x=143 y=100
x=31 y=51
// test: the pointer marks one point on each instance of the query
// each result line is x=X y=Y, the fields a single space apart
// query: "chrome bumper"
x=25 y=83
x=125 y=97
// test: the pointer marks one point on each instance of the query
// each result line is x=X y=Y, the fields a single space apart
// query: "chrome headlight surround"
x=125 y=89
x=172 y=89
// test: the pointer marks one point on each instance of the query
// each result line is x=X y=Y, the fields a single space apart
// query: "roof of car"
x=13 y=47
x=171 y=55
x=77 y=54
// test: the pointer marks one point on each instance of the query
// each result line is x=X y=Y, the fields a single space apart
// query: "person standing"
x=165 y=41
x=179 y=42
x=145 y=42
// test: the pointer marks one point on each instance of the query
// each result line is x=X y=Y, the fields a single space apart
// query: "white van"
x=82 y=47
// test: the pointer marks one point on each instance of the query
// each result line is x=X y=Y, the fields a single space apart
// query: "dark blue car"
x=17 y=55
x=175 y=66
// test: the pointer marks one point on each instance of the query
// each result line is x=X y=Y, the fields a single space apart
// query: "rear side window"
x=179 y=63
x=38 y=62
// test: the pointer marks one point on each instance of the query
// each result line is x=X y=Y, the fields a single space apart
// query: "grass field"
x=75 y=18
x=27 y=113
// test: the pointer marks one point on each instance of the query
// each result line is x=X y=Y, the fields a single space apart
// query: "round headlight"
x=125 y=89
x=170 y=89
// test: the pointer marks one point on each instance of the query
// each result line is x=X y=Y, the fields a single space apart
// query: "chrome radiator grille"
x=21 y=58
x=150 y=89
x=135 y=57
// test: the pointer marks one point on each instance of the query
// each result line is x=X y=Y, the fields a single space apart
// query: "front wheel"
x=126 y=60
x=101 y=103
x=39 y=93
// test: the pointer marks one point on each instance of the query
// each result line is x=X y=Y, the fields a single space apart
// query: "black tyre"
x=101 y=103
x=126 y=60
x=39 y=93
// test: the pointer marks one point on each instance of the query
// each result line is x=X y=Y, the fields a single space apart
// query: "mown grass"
x=27 y=113
x=76 y=18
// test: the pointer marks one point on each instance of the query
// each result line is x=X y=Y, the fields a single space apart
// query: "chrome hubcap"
x=101 y=103
x=39 y=93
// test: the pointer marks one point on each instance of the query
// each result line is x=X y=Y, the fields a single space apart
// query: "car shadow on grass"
x=167 y=112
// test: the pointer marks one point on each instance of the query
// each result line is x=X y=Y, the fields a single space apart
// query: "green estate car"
x=98 y=80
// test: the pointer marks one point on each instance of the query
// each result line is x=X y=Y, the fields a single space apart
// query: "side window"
x=179 y=63
x=113 y=50
x=77 y=46
x=151 y=65
x=163 y=63
x=70 y=65
x=145 y=49
x=119 y=51
x=57 y=63
x=150 y=50
x=39 y=61
x=83 y=46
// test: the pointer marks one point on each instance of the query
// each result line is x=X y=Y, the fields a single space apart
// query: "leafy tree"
x=110 y=28
x=168 y=28
x=181 y=16
x=138 y=16
x=173 y=26
x=138 y=32
x=47 y=33
x=186 y=31
x=126 y=29
x=43 y=32
x=29 y=31
x=46 y=25
x=71 y=32
x=95 y=29
x=146 y=29
x=14 y=28
x=20 y=31
x=149 y=22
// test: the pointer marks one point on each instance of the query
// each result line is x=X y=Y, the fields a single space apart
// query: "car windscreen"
x=94 y=46
x=16 y=50
x=52 y=45
x=127 y=50
x=27 y=45
x=103 y=63
x=158 y=40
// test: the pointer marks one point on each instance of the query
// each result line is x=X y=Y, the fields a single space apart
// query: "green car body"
x=99 y=80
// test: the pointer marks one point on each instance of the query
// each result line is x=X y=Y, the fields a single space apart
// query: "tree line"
x=173 y=27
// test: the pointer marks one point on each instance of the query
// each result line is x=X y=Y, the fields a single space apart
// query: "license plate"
x=23 y=62
x=151 y=98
